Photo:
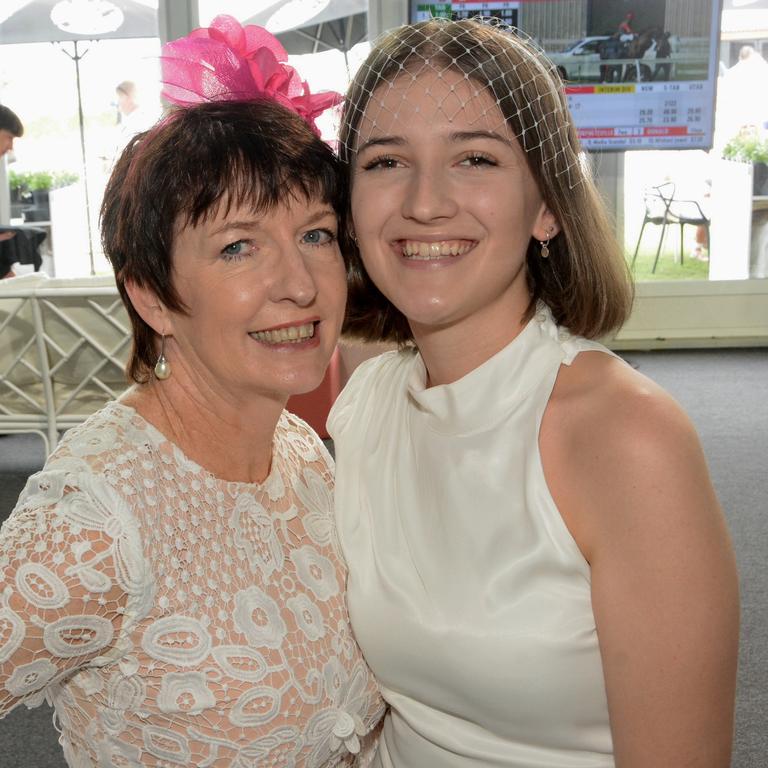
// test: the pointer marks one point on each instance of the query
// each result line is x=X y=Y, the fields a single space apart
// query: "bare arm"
x=630 y=479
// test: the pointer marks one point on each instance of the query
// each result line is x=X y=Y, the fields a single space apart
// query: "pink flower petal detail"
x=228 y=61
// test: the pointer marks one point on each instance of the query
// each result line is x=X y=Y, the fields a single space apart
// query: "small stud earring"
x=162 y=366
x=545 y=245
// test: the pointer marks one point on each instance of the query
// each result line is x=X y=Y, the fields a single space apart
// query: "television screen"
x=638 y=75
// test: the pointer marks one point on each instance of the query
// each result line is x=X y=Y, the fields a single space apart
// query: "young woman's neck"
x=452 y=351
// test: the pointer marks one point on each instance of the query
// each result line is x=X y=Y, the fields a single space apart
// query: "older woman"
x=171 y=580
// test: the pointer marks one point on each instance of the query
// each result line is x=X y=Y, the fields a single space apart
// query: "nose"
x=428 y=196
x=294 y=281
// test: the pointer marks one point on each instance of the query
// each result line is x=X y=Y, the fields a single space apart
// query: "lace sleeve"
x=69 y=577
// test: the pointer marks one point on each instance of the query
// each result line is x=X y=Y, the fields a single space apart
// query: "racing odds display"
x=638 y=75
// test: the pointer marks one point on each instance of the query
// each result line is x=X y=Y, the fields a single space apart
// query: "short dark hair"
x=181 y=170
x=9 y=121
x=585 y=281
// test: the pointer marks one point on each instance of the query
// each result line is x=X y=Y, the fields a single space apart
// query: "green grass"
x=668 y=268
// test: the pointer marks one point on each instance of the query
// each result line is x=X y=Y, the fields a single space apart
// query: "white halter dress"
x=466 y=591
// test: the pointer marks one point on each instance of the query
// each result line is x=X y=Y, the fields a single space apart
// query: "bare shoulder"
x=616 y=445
x=625 y=468
x=605 y=410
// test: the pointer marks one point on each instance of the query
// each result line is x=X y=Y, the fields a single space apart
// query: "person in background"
x=539 y=569
x=11 y=128
x=609 y=50
x=663 y=51
x=742 y=100
x=133 y=115
x=171 y=579
x=747 y=81
x=625 y=26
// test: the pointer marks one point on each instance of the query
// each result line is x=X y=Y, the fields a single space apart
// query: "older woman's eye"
x=318 y=237
x=235 y=251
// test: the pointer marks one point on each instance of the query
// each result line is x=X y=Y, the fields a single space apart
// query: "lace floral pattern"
x=176 y=619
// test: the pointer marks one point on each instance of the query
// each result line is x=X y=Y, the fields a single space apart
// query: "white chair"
x=63 y=347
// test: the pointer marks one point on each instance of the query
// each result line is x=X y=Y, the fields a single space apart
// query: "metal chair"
x=684 y=212
x=663 y=209
x=657 y=202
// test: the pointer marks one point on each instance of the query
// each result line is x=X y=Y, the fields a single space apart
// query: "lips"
x=426 y=250
x=289 y=334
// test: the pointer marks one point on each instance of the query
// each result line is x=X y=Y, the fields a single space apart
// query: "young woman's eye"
x=476 y=160
x=380 y=163
x=235 y=251
x=318 y=237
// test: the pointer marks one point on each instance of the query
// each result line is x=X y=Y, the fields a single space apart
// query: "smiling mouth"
x=420 y=250
x=292 y=334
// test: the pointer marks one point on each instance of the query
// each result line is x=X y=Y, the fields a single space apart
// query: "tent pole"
x=76 y=58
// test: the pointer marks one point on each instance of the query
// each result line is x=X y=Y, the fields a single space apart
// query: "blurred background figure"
x=743 y=93
x=625 y=27
x=663 y=51
x=133 y=116
x=611 y=49
x=10 y=128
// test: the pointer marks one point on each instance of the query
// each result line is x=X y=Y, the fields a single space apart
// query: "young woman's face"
x=444 y=204
x=266 y=296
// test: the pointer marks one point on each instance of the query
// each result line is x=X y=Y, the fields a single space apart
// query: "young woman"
x=170 y=580
x=539 y=572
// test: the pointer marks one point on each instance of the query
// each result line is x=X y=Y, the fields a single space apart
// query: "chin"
x=303 y=384
x=428 y=316
x=304 y=389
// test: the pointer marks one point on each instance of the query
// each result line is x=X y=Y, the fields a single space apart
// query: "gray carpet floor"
x=726 y=394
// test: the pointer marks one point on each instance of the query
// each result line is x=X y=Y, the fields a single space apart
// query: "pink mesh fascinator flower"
x=226 y=62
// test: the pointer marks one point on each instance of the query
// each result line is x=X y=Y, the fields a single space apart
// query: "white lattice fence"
x=63 y=346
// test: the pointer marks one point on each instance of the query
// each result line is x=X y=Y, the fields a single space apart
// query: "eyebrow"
x=382 y=141
x=254 y=224
x=455 y=137
x=471 y=135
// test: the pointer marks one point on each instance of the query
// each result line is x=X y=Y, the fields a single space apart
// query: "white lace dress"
x=173 y=618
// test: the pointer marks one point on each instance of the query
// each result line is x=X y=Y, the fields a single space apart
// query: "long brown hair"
x=585 y=281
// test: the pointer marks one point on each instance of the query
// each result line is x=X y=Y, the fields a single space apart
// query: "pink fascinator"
x=227 y=62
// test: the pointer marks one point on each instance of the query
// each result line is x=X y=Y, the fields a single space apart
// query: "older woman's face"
x=266 y=296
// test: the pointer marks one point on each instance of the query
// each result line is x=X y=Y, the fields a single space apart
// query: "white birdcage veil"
x=491 y=56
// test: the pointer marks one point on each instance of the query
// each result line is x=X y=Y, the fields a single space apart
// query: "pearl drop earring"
x=162 y=366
